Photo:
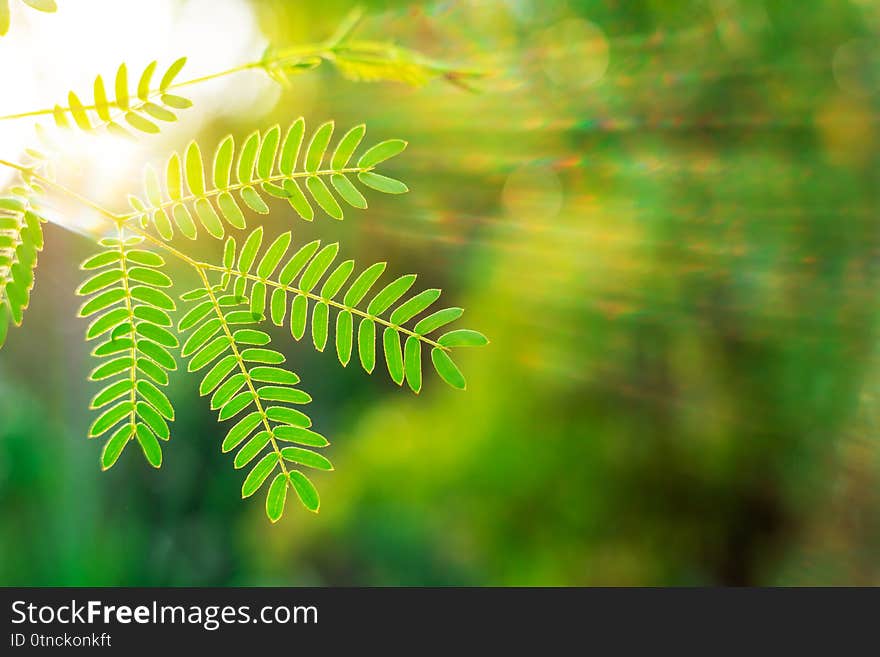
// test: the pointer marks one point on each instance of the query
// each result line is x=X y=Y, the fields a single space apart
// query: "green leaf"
x=223 y=162
x=102 y=105
x=149 y=445
x=195 y=315
x=389 y=294
x=297 y=262
x=149 y=277
x=344 y=336
x=348 y=191
x=367 y=344
x=235 y=405
x=298 y=200
x=155 y=421
x=217 y=373
x=174 y=177
x=111 y=393
x=409 y=309
x=380 y=152
x=362 y=284
x=184 y=221
x=247 y=157
x=438 y=319
x=209 y=217
x=317 y=267
x=47 y=6
x=99 y=282
x=393 y=355
x=283 y=394
x=300 y=436
x=322 y=195
x=412 y=359
x=226 y=391
x=122 y=87
x=106 y=322
x=249 y=250
x=101 y=260
x=171 y=73
x=231 y=211
x=305 y=490
x=110 y=368
x=463 y=338
x=288 y=416
x=251 y=336
x=208 y=353
x=258 y=474
x=201 y=336
x=276 y=497
x=320 y=318
x=273 y=255
x=346 y=146
x=382 y=183
x=152 y=296
x=306 y=457
x=102 y=301
x=140 y=123
x=113 y=447
x=152 y=315
x=241 y=430
x=253 y=200
x=337 y=279
x=143 y=89
x=291 y=146
x=318 y=145
x=274 y=375
x=447 y=369
x=78 y=112
x=250 y=450
x=266 y=356
x=110 y=418
x=156 y=397
x=268 y=149
x=278 y=306
x=195 y=173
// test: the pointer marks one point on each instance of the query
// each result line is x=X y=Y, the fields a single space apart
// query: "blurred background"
x=664 y=214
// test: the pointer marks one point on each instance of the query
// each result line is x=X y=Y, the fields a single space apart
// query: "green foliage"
x=140 y=109
x=130 y=312
x=266 y=164
x=130 y=316
x=364 y=61
x=248 y=387
x=21 y=237
x=47 y=6
x=310 y=285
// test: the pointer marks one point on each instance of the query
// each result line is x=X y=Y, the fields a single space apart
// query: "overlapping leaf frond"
x=48 y=6
x=311 y=287
x=142 y=109
x=130 y=310
x=265 y=164
x=248 y=386
x=21 y=238
x=364 y=60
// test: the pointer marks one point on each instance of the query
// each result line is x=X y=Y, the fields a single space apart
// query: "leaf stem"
x=244 y=370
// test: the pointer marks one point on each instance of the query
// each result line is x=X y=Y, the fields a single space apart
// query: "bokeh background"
x=664 y=214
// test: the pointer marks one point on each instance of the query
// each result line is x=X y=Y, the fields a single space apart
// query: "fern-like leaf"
x=21 y=238
x=310 y=285
x=47 y=6
x=191 y=194
x=248 y=386
x=143 y=109
x=130 y=310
